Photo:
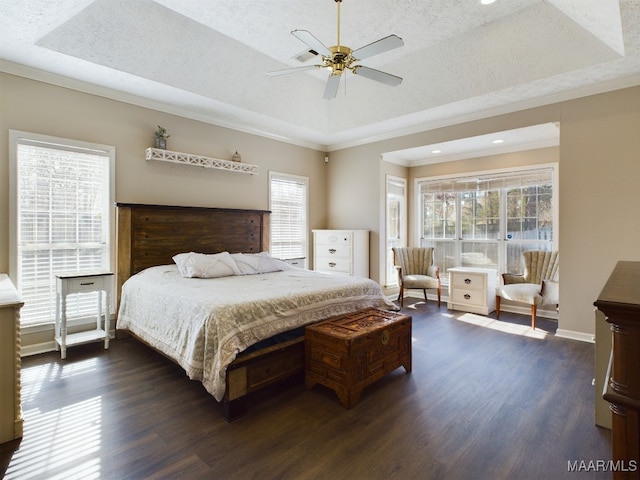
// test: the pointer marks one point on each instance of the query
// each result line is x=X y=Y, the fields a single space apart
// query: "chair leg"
x=533 y=316
x=497 y=307
x=401 y=296
x=439 y=294
x=424 y=292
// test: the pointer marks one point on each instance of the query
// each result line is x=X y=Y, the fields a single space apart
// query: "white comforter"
x=204 y=323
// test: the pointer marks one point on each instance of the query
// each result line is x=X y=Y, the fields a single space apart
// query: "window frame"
x=15 y=138
x=391 y=277
x=501 y=241
x=305 y=228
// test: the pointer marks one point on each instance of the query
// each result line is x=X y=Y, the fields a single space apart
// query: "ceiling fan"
x=339 y=58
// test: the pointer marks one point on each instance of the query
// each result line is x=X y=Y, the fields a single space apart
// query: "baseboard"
x=573 y=335
x=37 y=348
x=550 y=314
x=511 y=308
x=49 y=346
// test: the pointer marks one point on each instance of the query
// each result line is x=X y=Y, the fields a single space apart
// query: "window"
x=288 y=200
x=396 y=223
x=487 y=220
x=61 y=219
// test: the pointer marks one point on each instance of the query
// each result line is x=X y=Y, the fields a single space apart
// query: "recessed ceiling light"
x=487 y=2
x=497 y=141
x=436 y=151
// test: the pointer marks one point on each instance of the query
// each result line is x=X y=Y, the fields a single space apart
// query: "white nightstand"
x=70 y=283
x=296 y=262
x=472 y=289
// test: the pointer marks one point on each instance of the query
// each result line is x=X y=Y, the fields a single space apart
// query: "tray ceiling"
x=208 y=60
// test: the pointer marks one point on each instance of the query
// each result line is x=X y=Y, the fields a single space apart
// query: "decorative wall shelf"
x=200 y=161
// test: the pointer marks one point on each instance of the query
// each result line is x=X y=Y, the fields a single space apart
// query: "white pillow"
x=200 y=265
x=255 y=263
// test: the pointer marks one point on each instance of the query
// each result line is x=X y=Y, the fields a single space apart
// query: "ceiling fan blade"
x=331 y=90
x=316 y=45
x=379 y=46
x=377 y=75
x=287 y=71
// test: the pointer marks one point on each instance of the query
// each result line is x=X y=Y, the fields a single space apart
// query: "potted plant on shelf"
x=161 y=135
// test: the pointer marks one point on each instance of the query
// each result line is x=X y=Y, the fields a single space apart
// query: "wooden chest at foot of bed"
x=349 y=352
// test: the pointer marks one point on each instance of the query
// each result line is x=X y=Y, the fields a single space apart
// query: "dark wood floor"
x=479 y=404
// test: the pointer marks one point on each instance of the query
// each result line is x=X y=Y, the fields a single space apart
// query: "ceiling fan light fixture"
x=340 y=58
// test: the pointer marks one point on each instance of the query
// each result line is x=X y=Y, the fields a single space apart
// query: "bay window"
x=487 y=220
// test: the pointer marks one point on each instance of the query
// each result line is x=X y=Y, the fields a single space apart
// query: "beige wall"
x=599 y=158
x=357 y=206
x=38 y=107
x=599 y=171
x=599 y=197
x=46 y=109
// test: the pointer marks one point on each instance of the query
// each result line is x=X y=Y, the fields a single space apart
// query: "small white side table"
x=472 y=289
x=296 y=262
x=70 y=283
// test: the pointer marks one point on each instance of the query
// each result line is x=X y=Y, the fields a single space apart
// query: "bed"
x=221 y=330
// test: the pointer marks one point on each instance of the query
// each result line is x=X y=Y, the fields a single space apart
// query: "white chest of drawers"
x=472 y=289
x=341 y=251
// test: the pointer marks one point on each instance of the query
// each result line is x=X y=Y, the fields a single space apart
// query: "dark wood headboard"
x=150 y=235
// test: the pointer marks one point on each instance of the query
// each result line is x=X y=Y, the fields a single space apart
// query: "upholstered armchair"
x=538 y=285
x=416 y=270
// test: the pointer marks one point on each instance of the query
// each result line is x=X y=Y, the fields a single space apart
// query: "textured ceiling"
x=208 y=59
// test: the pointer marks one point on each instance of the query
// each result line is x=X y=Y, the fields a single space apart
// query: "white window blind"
x=487 y=220
x=288 y=205
x=62 y=201
x=493 y=181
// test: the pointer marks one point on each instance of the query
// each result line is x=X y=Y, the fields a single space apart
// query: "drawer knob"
x=332 y=264
x=385 y=337
x=85 y=284
x=332 y=250
x=467 y=296
x=467 y=281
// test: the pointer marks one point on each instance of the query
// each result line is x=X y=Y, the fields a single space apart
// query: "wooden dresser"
x=10 y=408
x=619 y=301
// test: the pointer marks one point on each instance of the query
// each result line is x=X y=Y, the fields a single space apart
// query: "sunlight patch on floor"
x=506 y=327
x=34 y=378
x=414 y=306
x=61 y=442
